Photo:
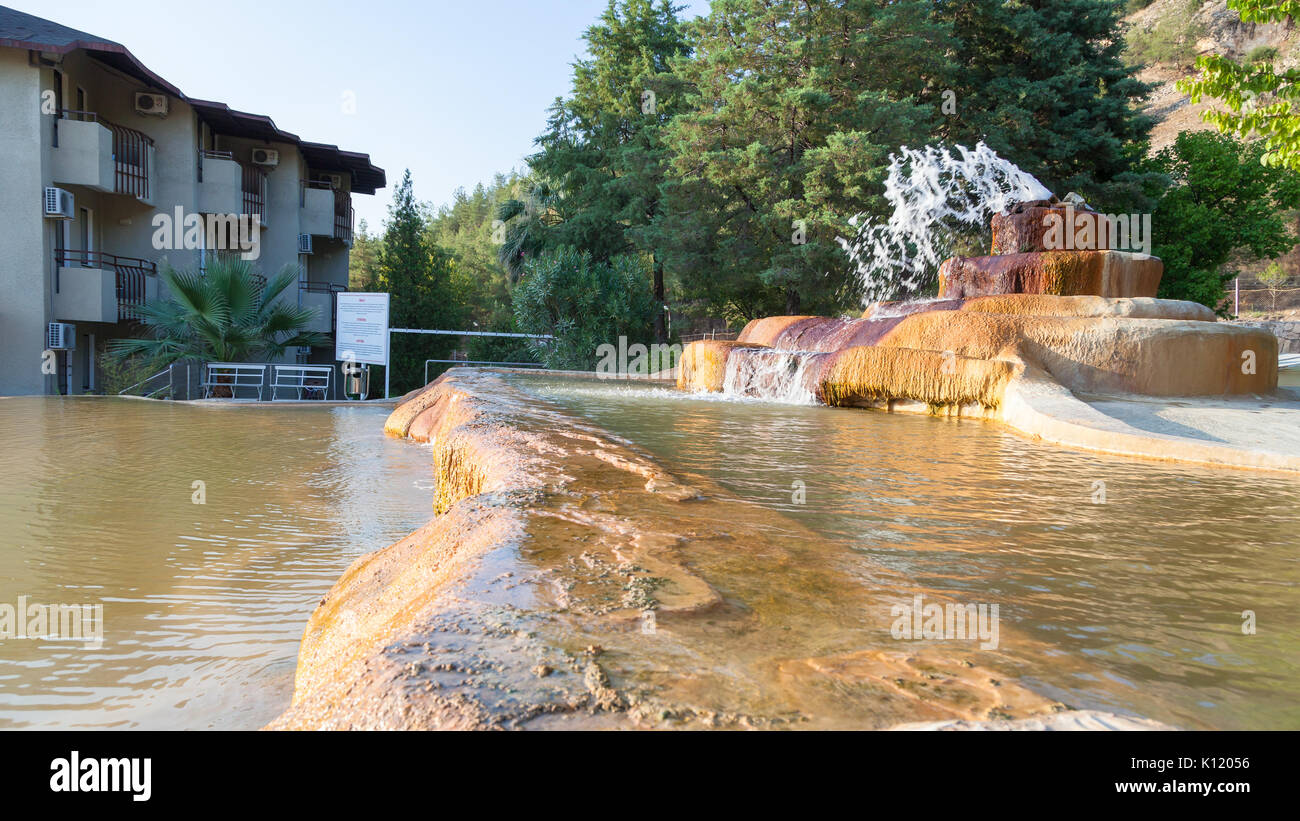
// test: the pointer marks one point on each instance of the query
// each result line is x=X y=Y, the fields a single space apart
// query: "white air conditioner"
x=152 y=104
x=304 y=243
x=61 y=336
x=59 y=204
x=335 y=180
x=266 y=156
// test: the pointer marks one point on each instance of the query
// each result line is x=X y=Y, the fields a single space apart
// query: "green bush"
x=1262 y=54
x=1171 y=40
x=584 y=304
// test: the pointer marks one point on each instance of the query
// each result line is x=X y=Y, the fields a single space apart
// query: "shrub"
x=584 y=304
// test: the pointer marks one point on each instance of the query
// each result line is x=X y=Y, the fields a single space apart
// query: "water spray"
x=932 y=189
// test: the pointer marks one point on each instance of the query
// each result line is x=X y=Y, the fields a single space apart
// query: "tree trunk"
x=661 y=329
x=791 y=302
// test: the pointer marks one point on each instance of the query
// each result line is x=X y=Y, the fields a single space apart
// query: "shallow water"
x=1121 y=584
x=204 y=604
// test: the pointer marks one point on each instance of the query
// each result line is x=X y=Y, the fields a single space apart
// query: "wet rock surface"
x=581 y=586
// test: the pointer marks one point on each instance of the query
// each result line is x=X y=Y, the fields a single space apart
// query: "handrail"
x=151 y=394
x=66 y=255
x=321 y=287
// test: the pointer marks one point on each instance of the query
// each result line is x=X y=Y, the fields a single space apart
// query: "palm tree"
x=228 y=314
x=528 y=220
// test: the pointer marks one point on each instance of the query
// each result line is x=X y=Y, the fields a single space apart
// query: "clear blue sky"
x=456 y=91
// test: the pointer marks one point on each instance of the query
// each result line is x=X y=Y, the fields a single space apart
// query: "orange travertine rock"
x=767 y=330
x=1060 y=273
x=703 y=365
x=1086 y=305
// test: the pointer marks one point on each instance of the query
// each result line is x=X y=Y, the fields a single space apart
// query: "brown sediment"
x=1059 y=273
x=1089 y=306
x=524 y=605
x=939 y=379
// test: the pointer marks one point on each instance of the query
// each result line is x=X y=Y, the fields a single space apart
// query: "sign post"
x=361 y=330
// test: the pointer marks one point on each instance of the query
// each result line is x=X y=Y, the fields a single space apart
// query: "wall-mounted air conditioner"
x=335 y=180
x=61 y=336
x=304 y=243
x=59 y=204
x=152 y=104
x=266 y=156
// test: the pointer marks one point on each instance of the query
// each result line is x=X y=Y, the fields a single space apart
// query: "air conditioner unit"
x=304 y=243
x=61 y=336
x=266 y=156
x=59 y=204
x=335 y=180
x=152 y=104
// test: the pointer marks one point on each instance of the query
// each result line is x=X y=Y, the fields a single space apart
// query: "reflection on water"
x=1121 y=583
x=204 y=604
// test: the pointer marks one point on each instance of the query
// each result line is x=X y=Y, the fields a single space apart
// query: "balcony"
x=326 y=212
x=97 y=154
x=227 y=186
x=320 y=295
x=91 y=286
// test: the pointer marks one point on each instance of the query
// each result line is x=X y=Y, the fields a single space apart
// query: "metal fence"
x=184 y=381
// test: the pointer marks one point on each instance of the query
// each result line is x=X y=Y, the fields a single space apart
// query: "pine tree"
x=363 y=260
x=795 y=107
x=1043 y=83
x=601 y=156
x=417 y=276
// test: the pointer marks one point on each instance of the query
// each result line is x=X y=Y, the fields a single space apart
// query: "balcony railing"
x=343 y=216
x=209 y=154
x=324 y=288
x=130 y=153
x=130 y=274
x=254 y=188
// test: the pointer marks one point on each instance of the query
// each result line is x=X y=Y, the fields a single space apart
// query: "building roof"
x=27 y=31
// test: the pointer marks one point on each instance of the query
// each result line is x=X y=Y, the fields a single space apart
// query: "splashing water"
x=932 y=190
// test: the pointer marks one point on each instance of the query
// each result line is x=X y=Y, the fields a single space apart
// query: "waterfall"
x=932 y=191
x=789 y=377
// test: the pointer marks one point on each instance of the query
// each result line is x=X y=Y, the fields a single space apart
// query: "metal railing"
x=154 y=393
x=130 y=152
x=343 y=216
x=254 y=188
x=211 y=154
x=130 y=274
x=324 y=288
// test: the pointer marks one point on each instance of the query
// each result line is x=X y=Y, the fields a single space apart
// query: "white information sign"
x=361 y=328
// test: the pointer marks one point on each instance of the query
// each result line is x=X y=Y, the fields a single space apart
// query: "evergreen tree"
x=1043 y=83
x=417 y=275
x=795 y=107
x=601 y=159
x=363 y=260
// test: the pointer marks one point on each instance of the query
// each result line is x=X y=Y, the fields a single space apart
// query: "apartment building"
x=94 y=148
